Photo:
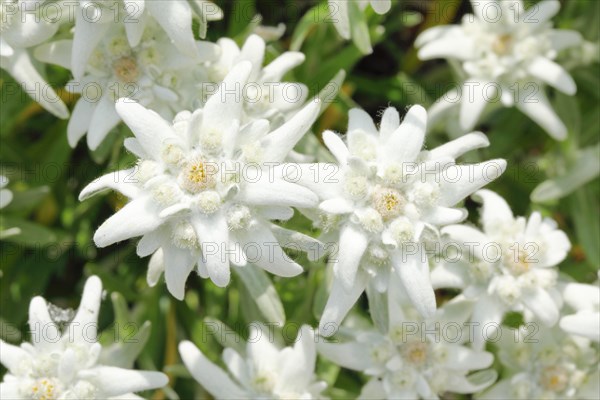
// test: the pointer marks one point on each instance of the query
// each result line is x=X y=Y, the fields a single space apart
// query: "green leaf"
x=263 y=292
x=31 y=234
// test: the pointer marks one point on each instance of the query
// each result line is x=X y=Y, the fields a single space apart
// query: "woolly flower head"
x=506 y=53
x=264 y=372
x=205 y=188
x=65 y=364
x=387 y=196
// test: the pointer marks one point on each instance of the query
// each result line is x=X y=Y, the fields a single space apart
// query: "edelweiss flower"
x=412 y=359
x=265 y=373
x=266 y=96
x=154 y=73
x=5 y=194
x=95 y=19
x=507 y=53
x=511 y=264
x=545 y=364
x=22 y=27
x=65 y=365
x=585 y=300
x=204 y=190
x=342 y=15
x=387 y=196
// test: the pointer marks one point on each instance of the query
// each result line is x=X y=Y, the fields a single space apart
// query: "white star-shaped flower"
x=508 y=56
x=65 y=365
x=387 y=196
x=22 y=27
x=511 y=265
x=412 y=358
x=266 y=372
x=153 y=72
x=545 y=364
x=205 y=189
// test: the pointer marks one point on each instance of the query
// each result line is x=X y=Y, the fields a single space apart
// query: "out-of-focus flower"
x=414 y=358
x=63 y=364
x=507 y=55
x=545 y=364
x=153 y=72
x=585 y=300
x=384 y=199
x=511 y=265
x=205 y=189
x=22 y=27
x=5 y=194
x=267 y=96
x=347 y=21
x=265 y=372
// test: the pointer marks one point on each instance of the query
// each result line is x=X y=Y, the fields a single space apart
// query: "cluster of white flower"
x=213 y=133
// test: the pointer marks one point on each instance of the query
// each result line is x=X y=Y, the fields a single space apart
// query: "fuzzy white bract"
x=412 y=358
x=384 y=199
x=21 y=28
x=507 y=56
x=510 y=266
x=205 y=188
x=64 y=363
x=584 y=299
x=266 y=372
x=545 y=364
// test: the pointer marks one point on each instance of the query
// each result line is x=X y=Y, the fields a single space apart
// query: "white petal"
x=495 y=211
x=86 y=37
x=136 y=218
x=277 y=193
x=455 y=45
x=381 y=6
x=406 y=142
x=261 y=349
x=487 y=313
x=178 y=265
x=339 y=303
x=80 y=120
x=124 y=182
x=542 y=305
x=150 y=129
x=297 y=364
x=253 y=50
x=236 y=364
x=561 y=39
x=473 y=102
x=156 y=267
x=118 y=381
x=337 y=205
x=341 y=20
x=360 y=120
x=149 y=243
x=390 y=121
x=584 y=323
x=582 y=296
x=465 y=234
x=11 y=390
x=58 y=52
x=464 y=358
x=11 y=356
x=336 y=146
x=449 y=275
x=44 y=332
x=542 y=12
x=459 y=181
x=473 y=383
x=413 y=270
x=214 y=237
x=537 y=107
x=281 y=141
x=135 y=30
x=27 y=29
x=277 y=68
x=85 y=323
x=553 y=74
x=459 y=146
x=351 y=355
x=6 y=197
x=103 y=120
x=175 y=17
x=440 y=216
x=352 y=245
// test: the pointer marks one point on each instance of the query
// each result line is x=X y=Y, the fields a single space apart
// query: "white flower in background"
x=267 y=96
x=510 y=266
x=64 y=364
x=94 y=20
x=506 y=53
x=387 y=196
x=154 y=73
x=414 y=358
x=585 y=300
x=20 y=30
x=205 y=189
x=343 y=14
x=5 y=195
x=266 y=372
x=545 y=364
